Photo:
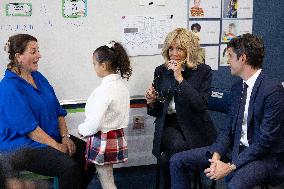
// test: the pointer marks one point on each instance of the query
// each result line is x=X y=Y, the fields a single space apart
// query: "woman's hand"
x=150 y=95
x=70 y=145
x=61 y=147
x=42 y=137
x=177 y=68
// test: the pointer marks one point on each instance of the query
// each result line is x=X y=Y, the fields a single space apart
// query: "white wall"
x=67 y=44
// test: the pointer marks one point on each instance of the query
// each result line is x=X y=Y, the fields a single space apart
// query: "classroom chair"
x=218 y=101
x=264 y=187
x=197 y=184
x=33 y=176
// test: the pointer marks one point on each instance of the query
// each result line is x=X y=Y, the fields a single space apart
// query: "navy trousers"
x=246 y=177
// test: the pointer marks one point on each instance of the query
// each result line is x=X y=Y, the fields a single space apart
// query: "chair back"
x=219 y=100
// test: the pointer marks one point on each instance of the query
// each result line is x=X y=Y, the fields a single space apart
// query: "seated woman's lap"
x=173 y=141
x=45 y=161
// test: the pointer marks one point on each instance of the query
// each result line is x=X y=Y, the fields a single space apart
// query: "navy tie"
x=243 y=102
x=240 y=121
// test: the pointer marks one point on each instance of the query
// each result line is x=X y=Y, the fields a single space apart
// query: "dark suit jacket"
x=265 y=118
x=190 y=103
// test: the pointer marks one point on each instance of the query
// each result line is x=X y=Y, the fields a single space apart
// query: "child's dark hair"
x=116 y=58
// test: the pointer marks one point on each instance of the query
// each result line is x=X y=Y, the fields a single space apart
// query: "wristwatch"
x=65 y=135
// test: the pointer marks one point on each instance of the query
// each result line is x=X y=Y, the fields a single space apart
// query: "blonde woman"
x=178 y=100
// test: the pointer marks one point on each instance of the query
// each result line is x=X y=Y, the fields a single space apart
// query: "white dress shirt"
x=107 y=108
x=250 y=82
x=172 y=106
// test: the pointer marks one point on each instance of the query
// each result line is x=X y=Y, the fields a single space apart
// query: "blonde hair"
x=187 y=40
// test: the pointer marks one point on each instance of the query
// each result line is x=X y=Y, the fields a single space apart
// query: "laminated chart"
x=18 y=9
x=74 y=8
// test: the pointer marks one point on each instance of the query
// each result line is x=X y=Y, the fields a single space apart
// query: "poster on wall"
x=233 y=28
x=144 y=35
x=237 y=8
x=207 y=31
x=204 y=9
x=223 y=55
x=74 y=8
x=211 y=56
x=18 y=9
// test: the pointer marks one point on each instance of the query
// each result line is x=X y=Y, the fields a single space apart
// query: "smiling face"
x=176 y=52
x=28 y=60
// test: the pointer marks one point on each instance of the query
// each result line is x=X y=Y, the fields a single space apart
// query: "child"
x=107 y=112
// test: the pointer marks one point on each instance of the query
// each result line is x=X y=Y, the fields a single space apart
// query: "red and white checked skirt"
x=107 y=148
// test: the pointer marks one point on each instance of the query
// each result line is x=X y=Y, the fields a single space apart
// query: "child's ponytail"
x=114 y=54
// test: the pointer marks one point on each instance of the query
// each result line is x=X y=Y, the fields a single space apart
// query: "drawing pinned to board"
x=223 y=55
x=74 y=8
x=195 y=28
x=229 y=32
x=209 y=31
x=196 y=10
x=233 y=28
x=232 y=9
x=211 y=56
x=18 y=9
x=144 y=35
x=237 y=8
x=204 y=9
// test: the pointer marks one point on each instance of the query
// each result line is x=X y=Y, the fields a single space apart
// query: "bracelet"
x=232 y=166
x=66 y=135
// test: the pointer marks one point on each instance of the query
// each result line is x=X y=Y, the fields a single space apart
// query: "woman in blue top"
x=33 y=131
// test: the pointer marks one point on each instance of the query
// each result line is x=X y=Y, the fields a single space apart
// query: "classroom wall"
x=67 y=44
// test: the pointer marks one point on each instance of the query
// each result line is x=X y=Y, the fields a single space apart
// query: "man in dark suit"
x=254 y=133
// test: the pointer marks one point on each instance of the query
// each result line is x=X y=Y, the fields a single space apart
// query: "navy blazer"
x=265 y=117
x=190 y=103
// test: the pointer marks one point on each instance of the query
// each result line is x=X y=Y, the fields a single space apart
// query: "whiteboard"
x=67 y=44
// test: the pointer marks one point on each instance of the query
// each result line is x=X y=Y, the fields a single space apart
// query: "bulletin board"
x=219 y=21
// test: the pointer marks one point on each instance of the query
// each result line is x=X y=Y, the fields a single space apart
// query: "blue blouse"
x=23 y=108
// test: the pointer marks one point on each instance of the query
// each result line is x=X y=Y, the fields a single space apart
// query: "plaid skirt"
x=107 y=148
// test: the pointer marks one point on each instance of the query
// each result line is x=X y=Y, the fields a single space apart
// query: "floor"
x=144 y=177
